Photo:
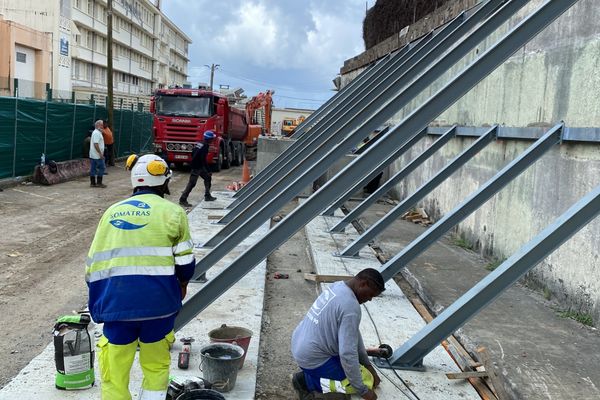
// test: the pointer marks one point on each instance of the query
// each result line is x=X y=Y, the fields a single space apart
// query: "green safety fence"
x=29 y=128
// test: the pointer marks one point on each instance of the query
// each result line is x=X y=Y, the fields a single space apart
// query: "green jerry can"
x=73 y=353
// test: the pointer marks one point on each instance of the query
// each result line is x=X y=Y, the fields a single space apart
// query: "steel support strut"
x=328 y=131
x=352 y=94
x=412 y=352
x=473 y=202
x=383 y=147
x=325 y=109
x=267 y=205
x=411 y=166
x=376 y=171
x=281 y=232
x=353 y=248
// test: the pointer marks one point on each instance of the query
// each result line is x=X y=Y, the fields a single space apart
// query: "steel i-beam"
x=321 y=135
x=352 y=93
x=353 y=248
x=376 y=171
x=380 y=111
x=484 y=65
x=325 y=109
x=473 y=202
x=411 y=353
x=244 y=226
x=411 y=166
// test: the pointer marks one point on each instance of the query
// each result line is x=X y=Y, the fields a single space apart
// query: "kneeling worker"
x=327 y=344
x=137 y=272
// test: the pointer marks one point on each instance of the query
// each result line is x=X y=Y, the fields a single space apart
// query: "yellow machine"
x=289 y=124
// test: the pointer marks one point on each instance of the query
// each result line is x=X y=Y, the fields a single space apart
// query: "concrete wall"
x=269 y=148
x=521 y=210
x=555 y=77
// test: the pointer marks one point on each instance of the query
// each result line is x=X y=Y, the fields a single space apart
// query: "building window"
x=21 y=57
x=90 y=8
x=78 y=4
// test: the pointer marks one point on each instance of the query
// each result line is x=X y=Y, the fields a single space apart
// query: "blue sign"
x=64 y=47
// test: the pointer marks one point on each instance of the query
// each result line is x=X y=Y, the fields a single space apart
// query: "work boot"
x=184 y=203
x=99 y=183
x=208 y=197
x=92 y=181
x=299 y=384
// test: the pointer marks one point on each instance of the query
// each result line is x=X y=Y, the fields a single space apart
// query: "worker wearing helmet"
x=137 y=272
x=199 y=168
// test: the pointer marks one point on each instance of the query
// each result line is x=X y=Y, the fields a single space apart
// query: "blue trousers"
x=97 y=167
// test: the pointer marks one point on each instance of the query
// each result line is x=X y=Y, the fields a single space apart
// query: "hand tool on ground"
x=183 y=360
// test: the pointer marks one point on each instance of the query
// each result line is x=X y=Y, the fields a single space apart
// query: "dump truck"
x=182 y=115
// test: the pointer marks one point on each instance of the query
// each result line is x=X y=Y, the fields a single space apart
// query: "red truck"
x=181 y=116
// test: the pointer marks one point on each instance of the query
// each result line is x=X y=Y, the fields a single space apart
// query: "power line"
x=267 y=84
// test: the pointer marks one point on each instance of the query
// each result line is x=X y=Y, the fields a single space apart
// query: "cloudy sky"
x=293 y=47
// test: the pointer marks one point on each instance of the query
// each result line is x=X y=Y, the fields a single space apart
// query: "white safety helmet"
x=148 y=170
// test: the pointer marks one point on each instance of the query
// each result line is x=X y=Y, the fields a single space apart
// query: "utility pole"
x=212 y=67
x=109 y=61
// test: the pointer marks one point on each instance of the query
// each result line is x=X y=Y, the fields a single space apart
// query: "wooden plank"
x=496 y=383
x=457 y=352
x=214 y=216
x=466 y=374
x=326 y=278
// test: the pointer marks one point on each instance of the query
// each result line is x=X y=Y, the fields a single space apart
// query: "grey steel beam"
x=353 y=248
x=325 y=109
x=340 y=97
x=473 y=202
x=321 y=135
x=351 y=93
x=281 y=232
x=411 y=353
x=379 y=111
x=376 y=171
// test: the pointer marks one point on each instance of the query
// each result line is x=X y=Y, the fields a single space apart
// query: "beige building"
x=26 y=56
x=149 y=51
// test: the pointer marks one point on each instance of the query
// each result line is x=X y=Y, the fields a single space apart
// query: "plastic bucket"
x=201 y=394
x=234 y=335
x=219 y=363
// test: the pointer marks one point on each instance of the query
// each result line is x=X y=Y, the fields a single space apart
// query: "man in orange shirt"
x=109 y=156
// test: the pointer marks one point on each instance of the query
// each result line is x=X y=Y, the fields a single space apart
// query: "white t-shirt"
x=96 y=138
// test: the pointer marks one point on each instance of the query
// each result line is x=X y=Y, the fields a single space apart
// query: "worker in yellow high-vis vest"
x=137 y=271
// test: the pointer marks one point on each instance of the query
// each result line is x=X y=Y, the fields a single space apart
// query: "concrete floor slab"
x=390 y=319
x=239 y=306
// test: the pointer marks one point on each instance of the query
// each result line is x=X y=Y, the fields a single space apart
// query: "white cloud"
x=294 y=47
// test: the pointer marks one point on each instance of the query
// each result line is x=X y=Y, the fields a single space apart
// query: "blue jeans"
x=97 y=167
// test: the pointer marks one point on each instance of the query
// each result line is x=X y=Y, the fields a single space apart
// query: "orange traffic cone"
x=245 y=172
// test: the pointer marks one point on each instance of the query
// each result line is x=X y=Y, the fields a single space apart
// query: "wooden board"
x=326 y=278
x=466 y=374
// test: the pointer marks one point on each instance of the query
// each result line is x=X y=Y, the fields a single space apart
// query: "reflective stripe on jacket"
x=141 y=251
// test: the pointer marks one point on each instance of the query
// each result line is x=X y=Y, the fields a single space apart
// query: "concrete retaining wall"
x=270 y=147
x=555 y=77
x=521 y=210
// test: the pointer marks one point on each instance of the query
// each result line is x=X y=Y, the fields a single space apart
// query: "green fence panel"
x=125 y=138
x=83 y=123
x=7 y=136
x=146 y=136
x=59 y=132
x=59 y=129
x=31 y=126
